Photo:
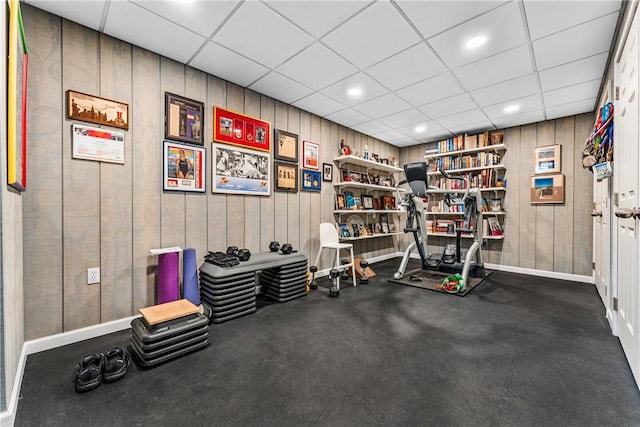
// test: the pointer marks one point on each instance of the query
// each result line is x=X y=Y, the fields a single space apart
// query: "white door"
x=626 y=183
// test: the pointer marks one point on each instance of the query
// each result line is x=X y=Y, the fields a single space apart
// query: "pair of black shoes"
x=98 y=367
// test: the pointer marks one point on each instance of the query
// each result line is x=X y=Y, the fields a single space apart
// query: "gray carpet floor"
x=516 y=351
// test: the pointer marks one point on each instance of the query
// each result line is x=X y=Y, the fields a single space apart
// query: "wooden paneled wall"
x=543 y=237
x=81 y=214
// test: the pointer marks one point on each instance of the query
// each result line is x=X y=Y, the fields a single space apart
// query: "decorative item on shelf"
x=358 y=202
x=344 y=231
x=356 y=224
x=349 y=200
x=364 y=178
x=495 y=205
x=497 y=138
x=345 y=150
x=367 y=201
x=366 y=152
x=345 y=175
x=388 y=203
x=394 y=162
x=375 y=157
x=501 y=182
x=376 y=204
x=377 y=228
x=341 y=202
x=494 y=226
x=384 y=222
x=384 y=161
x=354 y=176
x=435 y=208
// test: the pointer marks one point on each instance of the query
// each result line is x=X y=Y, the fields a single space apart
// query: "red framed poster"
x=238 y=129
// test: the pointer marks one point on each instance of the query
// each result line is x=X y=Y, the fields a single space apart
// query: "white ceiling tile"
x=405 y=142
x=317 y=17
x=404 y=118
x=430 y=90
x=262 y=35
x=448 y=106
x=235 y=68
x=370 y=89
x=502 y=27
x=431 y=128
x=317 y=67
x=390 y=136
x=88 y=15
x=572 y=108
x=472 y=128
x=129 y=22
x=382 y=106
x=433 y=17
x=461 y=119
x=200 y=16
x=413 y=65
x=573 y=72
x=519 y=119
x=348 y=117
x=577 y=42
x=436 y=136
x=546 y=17
x=280 y=87
x=371 y=127
x=498 y=68
x=526 y=104
x=374 y=34
x=319 y=104
x=580 y=91
x=515 y=88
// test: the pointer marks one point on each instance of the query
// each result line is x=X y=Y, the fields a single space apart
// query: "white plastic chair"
x=329 y=239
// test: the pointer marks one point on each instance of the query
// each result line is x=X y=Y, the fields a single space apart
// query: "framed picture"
x=183 y=119
x=547 y=189
x=327 y=172
x=286 y=146
x=344 y=231
x=358 y=202
x=354 y=176
x=349 y=200
x=185 y=167
x=96 y=144
x=547 y=159
x=286 y=176
x=18 y=65
x=100 y=111
x=494 y=226
x=240 y=171
x=341 y=202
x=310 y=180
x=234 y=128
x=310 y=155
x=345 y=175
x=388 y=202
x=364 y=178
x=367 y=201
x=376 y=204
x=384 y=222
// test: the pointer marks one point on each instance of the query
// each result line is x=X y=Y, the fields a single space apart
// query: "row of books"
x=465 y=142
x=486 y=178
x=469 y=161
x=456 y=205
x=449 y=226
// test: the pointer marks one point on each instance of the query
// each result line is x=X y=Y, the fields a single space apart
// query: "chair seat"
x=337 y=245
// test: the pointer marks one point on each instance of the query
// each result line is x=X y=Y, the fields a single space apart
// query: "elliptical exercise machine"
x=415 y=203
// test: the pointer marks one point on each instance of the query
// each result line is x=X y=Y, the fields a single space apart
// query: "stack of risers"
x=159 y=343
x=229 y=296
x=286 y=282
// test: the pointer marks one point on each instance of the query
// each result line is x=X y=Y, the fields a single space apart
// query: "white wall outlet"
x=93 y=276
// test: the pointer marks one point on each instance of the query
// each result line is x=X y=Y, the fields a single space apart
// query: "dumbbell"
x=286 y=248
x=334 y=291
x=232 y=250
x=274 y=246
x=243 y=254
x=313 y=269
x=364 y=279
x=345 y=271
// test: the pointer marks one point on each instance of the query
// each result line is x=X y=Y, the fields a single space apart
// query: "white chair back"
x=328 y=234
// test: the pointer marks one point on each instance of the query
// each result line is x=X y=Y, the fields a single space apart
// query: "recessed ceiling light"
x=420 y=129
x=475 y=42
x=511 y=108
x=354 y=91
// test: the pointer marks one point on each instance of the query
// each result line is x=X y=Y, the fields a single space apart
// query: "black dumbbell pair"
x=97 y=368
x=241 y=254
x=286 y=248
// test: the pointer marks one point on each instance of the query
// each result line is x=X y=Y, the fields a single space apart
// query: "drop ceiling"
x=418 y=81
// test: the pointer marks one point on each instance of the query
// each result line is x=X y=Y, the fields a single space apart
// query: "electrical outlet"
x=93 y=276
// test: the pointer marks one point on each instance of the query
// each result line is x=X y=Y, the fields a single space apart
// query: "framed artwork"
x=364 y=178
x=100 y=111
x=97 y=144
x=547 y=189
x=327 y=172
x=234 y=128
x=349 y=200
x=17 y=73
x=183 y=119
x=185 y=167
x=344 y=231
x=547 y=159
x=345 y=175
x=358 y=202
x=310 y=155
x=376 y=204
x=341 y=202
x=240 y=171
x=494 y=226
x=388 y=202
x=286 y=176
x=354 y=176
x=285 y=146
x=310 y=180
x=367 y=201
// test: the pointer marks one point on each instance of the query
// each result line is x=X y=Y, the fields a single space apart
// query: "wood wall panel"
x=293 y=206
x=267 y=204
x=511 y=201
x=544 y=213
x=235 y=204
x=304 y=199
x=281 y=121
x=562 y=235
x=80 y=186
x=172 y=203
x=116 y=208
x=145 y=137
x=42 y=215
x=315 y=214
x=527 y=224
x=582 y=206
x=216 y=203
x=252 y=203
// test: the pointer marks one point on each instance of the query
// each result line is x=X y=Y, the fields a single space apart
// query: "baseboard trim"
x=541 y=273
x=325 y=272
x=8 y=417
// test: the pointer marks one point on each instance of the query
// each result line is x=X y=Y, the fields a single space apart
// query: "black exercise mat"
x=430 y=279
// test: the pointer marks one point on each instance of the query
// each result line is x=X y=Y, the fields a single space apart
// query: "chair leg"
x=353 y=266
x=318 y=257
x=337 y=267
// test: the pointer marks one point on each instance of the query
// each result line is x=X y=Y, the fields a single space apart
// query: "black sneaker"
x=89 y=372
x=116 y=362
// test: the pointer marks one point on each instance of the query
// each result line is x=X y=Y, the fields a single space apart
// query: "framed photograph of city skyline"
x=100 y=111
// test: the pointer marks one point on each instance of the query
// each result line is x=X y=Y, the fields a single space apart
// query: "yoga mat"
x=190 y=276
x=168 y=277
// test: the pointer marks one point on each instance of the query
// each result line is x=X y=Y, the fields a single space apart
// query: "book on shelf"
x=466 y=142
x=494 y=226
x=384 y=223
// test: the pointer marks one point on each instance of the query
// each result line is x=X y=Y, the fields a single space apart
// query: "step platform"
x=286 y=282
